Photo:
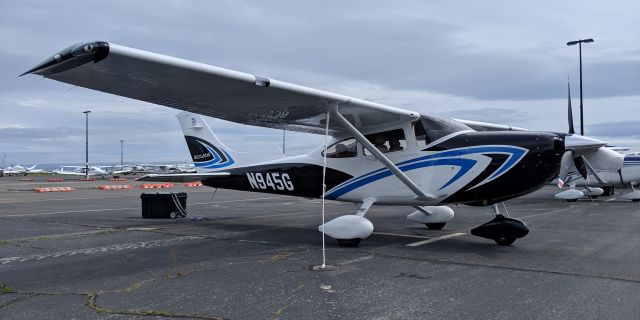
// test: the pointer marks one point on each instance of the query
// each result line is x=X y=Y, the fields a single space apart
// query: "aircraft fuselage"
x=475 y=168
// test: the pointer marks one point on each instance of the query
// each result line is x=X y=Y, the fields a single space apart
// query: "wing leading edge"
x=221 y=93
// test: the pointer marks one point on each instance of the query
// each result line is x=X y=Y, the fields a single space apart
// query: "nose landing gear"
x=503 y=230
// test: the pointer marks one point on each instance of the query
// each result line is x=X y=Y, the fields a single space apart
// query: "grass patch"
x=5 y=289
x=91 y=303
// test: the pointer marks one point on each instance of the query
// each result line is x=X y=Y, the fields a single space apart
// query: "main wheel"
x=172 y=215
x=608 y=191
x=349 y=242
x=504 y=241
x=435 y=226
x=635 y=200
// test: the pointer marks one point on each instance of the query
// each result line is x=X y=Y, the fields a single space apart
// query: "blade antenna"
x=570 y=112
x=324 y=187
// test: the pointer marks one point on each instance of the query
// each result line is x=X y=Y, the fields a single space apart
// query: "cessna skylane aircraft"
x=377 y=154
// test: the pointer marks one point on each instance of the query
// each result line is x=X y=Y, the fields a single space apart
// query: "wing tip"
x=71 y=57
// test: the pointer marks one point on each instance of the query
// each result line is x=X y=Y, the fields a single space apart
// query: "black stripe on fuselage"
x=295 y=179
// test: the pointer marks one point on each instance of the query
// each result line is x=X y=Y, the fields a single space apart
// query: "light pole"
x=86 y=168
x=579 y=43
x=121 y=152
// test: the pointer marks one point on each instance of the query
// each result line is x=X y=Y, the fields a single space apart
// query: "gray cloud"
x=487 y=61
x=615 y=129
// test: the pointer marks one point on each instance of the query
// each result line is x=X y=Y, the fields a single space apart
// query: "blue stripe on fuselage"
x=516 y=153
x=464 y=164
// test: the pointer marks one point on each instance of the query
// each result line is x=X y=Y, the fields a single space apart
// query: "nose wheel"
x=503 y=230
x=435 y=226
x=505 y=241
x=349 y=242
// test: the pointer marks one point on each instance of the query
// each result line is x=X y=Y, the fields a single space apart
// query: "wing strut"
x=380 y=156
x=593 y=171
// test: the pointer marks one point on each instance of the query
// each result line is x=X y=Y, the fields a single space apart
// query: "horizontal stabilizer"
x=182 y=177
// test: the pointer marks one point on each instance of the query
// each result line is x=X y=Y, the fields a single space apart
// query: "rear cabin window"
x=429 y=129
x=387 y=141
x=342 y=149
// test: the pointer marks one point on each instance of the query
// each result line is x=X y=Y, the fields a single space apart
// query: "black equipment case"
x=164 y=205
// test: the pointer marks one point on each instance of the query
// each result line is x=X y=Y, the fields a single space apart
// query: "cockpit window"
x=342 y=149
x=388 y=141
x=429 y=129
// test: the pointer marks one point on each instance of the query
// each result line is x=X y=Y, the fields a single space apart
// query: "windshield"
x=430 y=128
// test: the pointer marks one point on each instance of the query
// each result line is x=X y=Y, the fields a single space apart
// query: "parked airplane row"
x=18 y=170
x=101 y=170
x=375 y=154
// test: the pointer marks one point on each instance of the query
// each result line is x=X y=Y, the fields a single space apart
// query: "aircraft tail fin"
x=207 y=151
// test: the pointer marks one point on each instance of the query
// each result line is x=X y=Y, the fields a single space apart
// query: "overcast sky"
x=497 y=61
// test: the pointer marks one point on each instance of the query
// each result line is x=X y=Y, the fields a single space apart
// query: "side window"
x=388 y=141
x=342 y=149
x=421 y=135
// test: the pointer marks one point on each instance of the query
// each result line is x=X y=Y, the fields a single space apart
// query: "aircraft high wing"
x=208 y=90
x=375 y=154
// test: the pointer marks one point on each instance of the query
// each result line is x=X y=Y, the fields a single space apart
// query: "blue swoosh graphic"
x=436 y=159
x=216 y=161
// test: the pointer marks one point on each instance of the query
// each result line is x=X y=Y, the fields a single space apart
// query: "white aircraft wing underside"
x=208 y=90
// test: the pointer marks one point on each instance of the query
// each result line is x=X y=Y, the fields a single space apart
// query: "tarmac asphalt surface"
x=89 y=254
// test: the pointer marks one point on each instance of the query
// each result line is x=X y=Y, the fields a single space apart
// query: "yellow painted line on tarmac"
x=449 y=236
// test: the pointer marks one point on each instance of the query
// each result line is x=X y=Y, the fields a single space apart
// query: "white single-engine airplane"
x=377 y=154
x=599 y=170
x=80 y=171
x=19 y=170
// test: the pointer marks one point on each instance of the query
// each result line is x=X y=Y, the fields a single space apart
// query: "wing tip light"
x=71 y=57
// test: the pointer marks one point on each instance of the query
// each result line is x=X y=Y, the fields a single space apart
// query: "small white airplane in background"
x=80 y=171
x=598 y=171
x=19 y=170
x=167 y=168
x=377 y=154
x=117 y=169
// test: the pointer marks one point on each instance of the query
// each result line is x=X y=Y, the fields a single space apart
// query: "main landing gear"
x=434 y=217
x=503 y=230
x=634 y=195
x=349 y=230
